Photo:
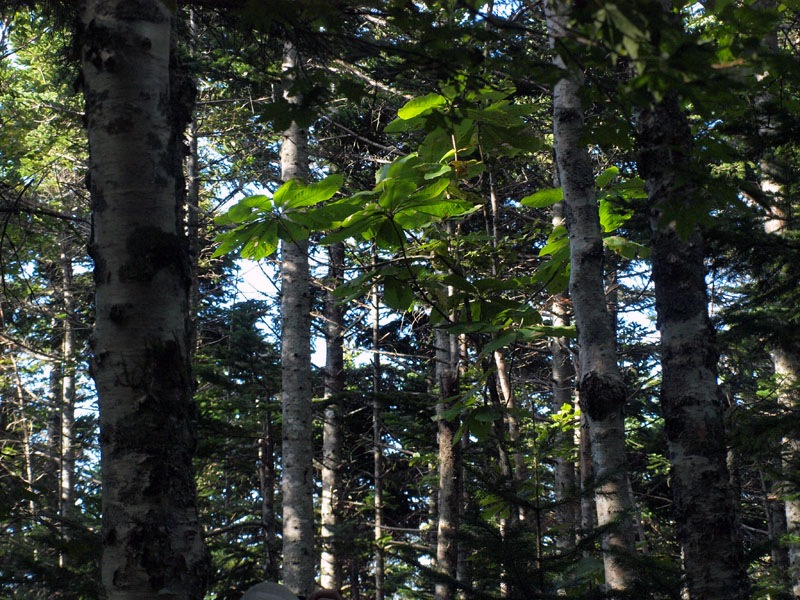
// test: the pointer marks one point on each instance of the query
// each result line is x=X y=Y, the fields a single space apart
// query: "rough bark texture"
x=449 y=502
x=377 y=442
x=705 y=510
x=600 y=384
x=136 y=113
x=786 y=356
x=564 y=471
x=298 y=451
x=68 y=374
x=332 y=433
x=266 y=477
x=787 y=366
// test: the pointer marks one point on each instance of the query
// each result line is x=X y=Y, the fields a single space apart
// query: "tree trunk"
x=705 y=509
x=377 y=442
x=785 y=358
x=298 y=474
x=787 y=367
x=600 y=384
x=332 y=434
x=136 y=110
x=266 y=476
x=449 y=503
x=67 y=404
x=564 y=471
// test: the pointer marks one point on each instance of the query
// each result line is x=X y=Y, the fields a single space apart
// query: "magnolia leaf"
x=247 y=209
x=543 y=198
x=501 y=341
x=397 y=294
x=263 y=241
x=296 y=194
x=557 y=241
x=611 y=216
x=606 y=177
x=419 y=105
x=626 y=248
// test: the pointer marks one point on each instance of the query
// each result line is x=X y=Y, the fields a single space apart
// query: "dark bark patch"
x=150 y=250
x=140 y=10
x=118 y=313
x=120 y=124
x=100 y=274
x=601 y=395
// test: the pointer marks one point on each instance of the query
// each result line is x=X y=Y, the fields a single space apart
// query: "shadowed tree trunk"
x=705 y=509
x=137 y=107
x=449 y=503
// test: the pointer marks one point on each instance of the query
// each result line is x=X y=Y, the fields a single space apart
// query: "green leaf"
x=296 y=194
x=606 y=177
x=397 y=294
x=262 y=242
x=247 y=209
x=626 y=248
x=500 y=341
x=611 y=217
x=557 y=241
x=543 y=198
x=419 y=105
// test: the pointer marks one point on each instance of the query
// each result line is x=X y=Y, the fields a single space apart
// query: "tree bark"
x=705 y=509
x=266 y=476
x=564 y=471
x=137 y=107
x=68 y=371
x=786 y=363
x=298 y=481
x=332 y=433
x=449 y=503
x=600 y=384
x=377 y=441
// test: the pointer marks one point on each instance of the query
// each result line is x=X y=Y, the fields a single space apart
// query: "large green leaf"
x=296 y=194
x=419 y=105
x=397 y=294
x=543 y=198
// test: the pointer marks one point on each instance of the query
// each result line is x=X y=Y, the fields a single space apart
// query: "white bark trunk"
x=152 y=545
x=377 y=442
x=298 y=451
x=332 y=434
x=600 y=384
x=787 y=368
x=68 y=374
x=564 y=473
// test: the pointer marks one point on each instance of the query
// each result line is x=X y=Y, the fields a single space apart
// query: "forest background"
x=482 y=210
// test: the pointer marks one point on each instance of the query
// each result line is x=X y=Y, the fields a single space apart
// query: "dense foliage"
x=432 y=152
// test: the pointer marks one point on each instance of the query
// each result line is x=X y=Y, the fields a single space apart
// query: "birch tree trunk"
x=298 y=474
x=449 y=502
x=564 y=471
x=787 y=367
x=377 y=440
x=600 y=384
x=136 y=110
x=705 y=509
x=66 y=499
x=562 y=387
x=332 y=433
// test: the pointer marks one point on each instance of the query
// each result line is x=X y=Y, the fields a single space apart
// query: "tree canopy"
x=472 y=170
